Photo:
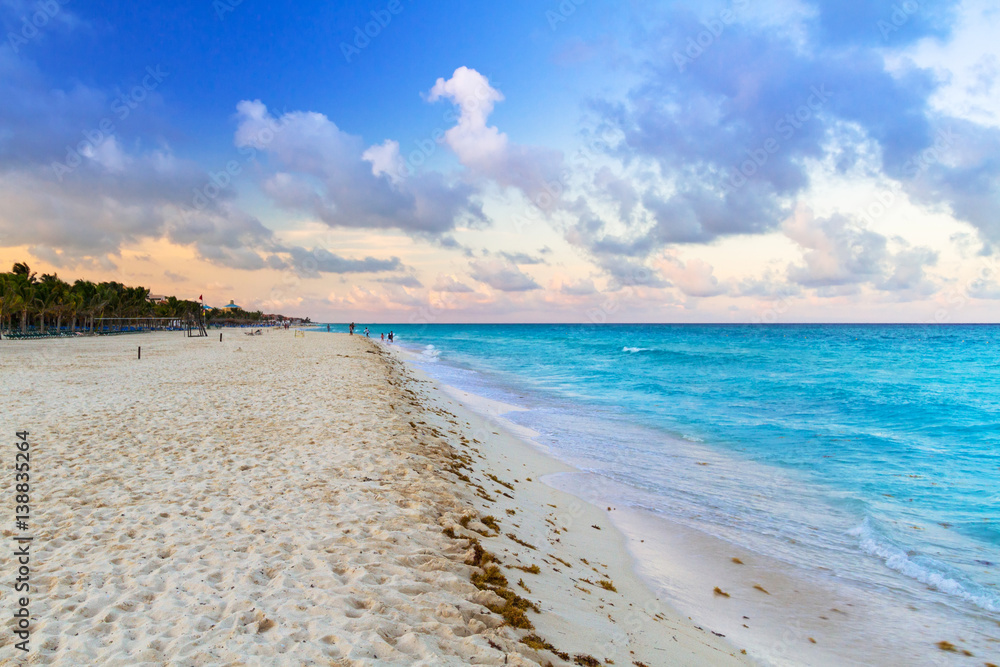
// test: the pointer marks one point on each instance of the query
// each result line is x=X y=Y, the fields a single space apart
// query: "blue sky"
x=571 y=161
x=289 y=55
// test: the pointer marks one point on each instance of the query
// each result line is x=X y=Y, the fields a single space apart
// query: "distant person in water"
x=390 y=336
x=367 y=334
x=351 y=328
x=383 y=338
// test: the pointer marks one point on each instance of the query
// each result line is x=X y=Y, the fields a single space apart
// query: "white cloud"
x=836 y=252
x=385 y=160
x=327 y=172
x=486 y=151
x=502 y=275
x=840 y=256
x=584 y=287
x=447 y=283
x=473 y=141
x=694 y=278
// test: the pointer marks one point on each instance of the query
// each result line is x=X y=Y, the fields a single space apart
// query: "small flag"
x=201 y=298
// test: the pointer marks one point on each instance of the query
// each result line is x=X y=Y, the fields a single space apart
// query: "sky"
x=530 y=161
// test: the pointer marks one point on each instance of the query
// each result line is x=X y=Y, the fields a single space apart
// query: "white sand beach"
x=304 y=500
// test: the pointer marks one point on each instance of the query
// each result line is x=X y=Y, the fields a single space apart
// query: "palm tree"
x=62 y=297
x=22 y=297
x=74 y=304
x=22 y=269
x=86 y=290
x=21 y=292
x=4 y=298
x=50 y=300
x=137 y=302
x=104 y=298
x=47 y=298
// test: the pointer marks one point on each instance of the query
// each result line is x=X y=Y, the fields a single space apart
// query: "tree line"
x=27 y=300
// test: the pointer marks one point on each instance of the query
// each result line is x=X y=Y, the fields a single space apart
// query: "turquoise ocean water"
x=871 y=451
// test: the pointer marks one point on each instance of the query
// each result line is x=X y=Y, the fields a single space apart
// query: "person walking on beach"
x=390 y=337
x=383 y=337
x=351 y=328
x=367 y=334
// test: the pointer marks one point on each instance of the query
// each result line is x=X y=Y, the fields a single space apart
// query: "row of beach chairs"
x=17 y=335
x=14 y=335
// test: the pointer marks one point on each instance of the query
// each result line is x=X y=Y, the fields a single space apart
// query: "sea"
x=864 y=458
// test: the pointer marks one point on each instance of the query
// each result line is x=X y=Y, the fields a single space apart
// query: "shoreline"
x=574 y=531
x=794 y=617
